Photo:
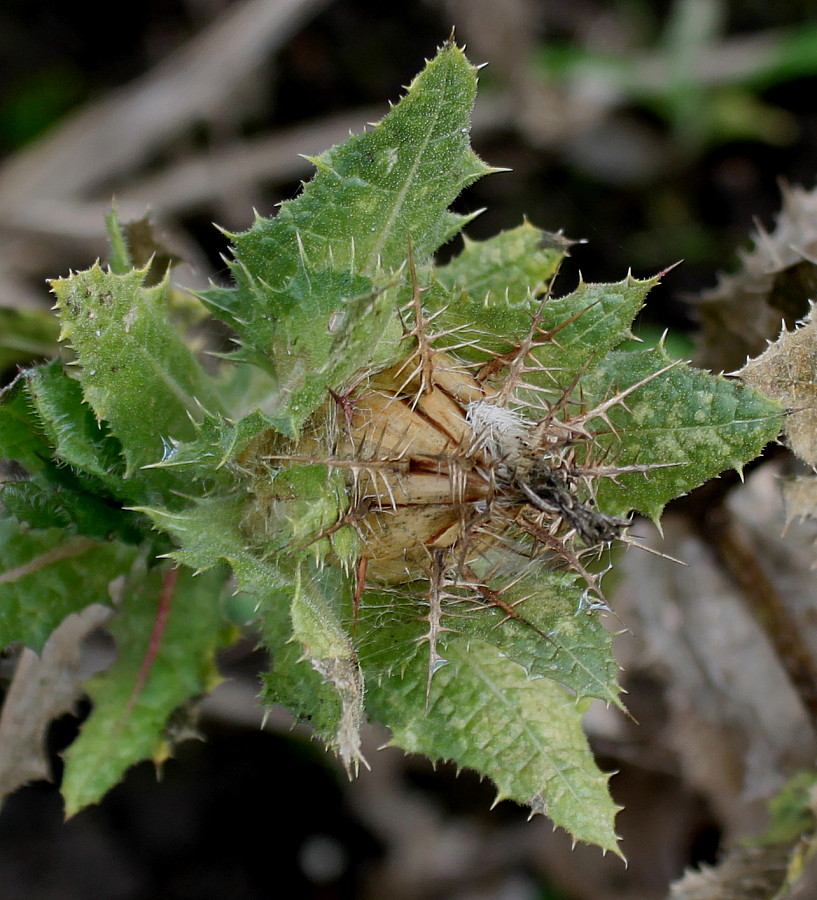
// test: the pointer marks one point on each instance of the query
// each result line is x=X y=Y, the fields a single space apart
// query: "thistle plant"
x=418 y=474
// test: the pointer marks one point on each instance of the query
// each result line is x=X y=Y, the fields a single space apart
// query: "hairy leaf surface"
x=484 y=712
x=314 y=286
x=692 y=423
x=135 y=370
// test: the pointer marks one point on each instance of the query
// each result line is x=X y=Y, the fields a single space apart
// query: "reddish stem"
x=159 y=623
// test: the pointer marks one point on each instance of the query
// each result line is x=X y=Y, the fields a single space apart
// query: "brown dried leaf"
x=787 y=371
x=44 y=687
x=746 y=873
x=776 y=280
x=800 y=498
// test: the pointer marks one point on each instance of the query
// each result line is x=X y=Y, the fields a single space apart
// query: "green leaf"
x=167 y=630
x=495 y=287
x=314 y=669
x=298 y=604
x=119 y=257
x=21 y=434
x=491 y=286
x=206 y=532
x=559 y=639
x=61 y=499
x=211 y=530
x=46 y=574
x=525 y=734
x=77 y=471
x=293 y=505
x=291 y=679
x=379 y=190
x=699 y=424
x=317 y=626
x=75 y=435
x=135 y=370
x=588 y=322
x=217 y=443
x=504 y=270
x=313 y=301
x=358 y=327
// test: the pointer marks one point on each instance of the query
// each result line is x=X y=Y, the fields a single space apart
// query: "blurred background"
x=655 y=132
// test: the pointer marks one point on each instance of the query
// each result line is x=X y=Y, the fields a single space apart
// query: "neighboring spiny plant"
x=415 y=472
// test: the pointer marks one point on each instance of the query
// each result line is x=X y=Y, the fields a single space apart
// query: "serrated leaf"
x=787 y=371
x=693 y=423
x=75 y=465
x=495 y=287
x=21 y=435
x=135 y=371
x=588 y=322
x=504 y=270
x=313 y=301
x=559 y=639
x=77 y=473
x=335 y=325
x=295 y=504
x=379 y=190
x=59 y=499
x=488 y=656
x=291 y=679
x=206 y=532
x=217 y=443
x=525 y=734
x=76 y=437
x=45 y=575
x=211 y=530
x=156 y=670
x=317 y=626
x=491 y=286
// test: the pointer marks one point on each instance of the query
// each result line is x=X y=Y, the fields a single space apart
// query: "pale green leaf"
x=75 y=435
x=314 y=297
x=698 y=423
x=525 y=734
x=135 y=370
x=559 y=638
x=380 y=190
x=491 y=287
